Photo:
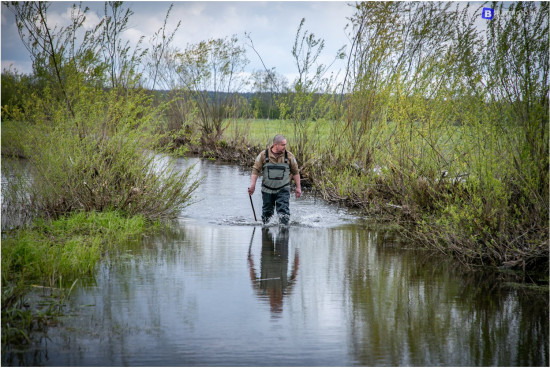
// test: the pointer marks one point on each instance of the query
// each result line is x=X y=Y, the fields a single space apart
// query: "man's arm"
x=295 y=173
x=256 y=171
x=298 y=186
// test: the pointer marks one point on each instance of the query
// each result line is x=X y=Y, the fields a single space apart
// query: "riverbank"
x=51 y=256
x=481 y=222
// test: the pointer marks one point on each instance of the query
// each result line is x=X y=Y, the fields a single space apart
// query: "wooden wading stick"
x=252 y=204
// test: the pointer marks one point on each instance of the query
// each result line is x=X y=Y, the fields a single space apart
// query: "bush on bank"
x=102 y=159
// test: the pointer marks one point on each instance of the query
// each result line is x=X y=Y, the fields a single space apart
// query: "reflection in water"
x=351 y=297
x=413 y=311
x=274 y=281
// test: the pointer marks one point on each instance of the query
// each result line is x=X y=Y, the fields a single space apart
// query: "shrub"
x=100 y=160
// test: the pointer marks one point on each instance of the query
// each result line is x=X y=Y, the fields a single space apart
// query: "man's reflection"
x=274 y=281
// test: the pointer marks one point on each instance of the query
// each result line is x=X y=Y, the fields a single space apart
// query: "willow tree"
x=211 y=73
x=310 y=92
x=455 y=116
x=123 y=59
x=515 y=66
x=56 y=57
x=90 y=147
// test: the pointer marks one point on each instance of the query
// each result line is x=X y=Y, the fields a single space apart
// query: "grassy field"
x=261 y=131
x=453 y=148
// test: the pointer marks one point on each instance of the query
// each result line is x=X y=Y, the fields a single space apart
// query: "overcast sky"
x=272 y=26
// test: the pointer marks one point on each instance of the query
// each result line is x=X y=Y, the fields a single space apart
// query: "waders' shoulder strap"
x=267 y=156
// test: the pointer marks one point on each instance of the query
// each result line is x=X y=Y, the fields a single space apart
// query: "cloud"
x=59 y=16
x=22 y=67
x=272 y=26
x=92 y=19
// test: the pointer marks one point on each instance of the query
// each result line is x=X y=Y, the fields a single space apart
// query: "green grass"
x=458 y=149
x=12 y=138
x=261 y=131
x=68 y=246
x=53 y=254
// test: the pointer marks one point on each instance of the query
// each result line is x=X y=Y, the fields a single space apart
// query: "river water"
x=221 y=290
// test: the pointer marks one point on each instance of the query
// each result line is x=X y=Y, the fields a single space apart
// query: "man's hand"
x=298 y=186
x=252 y=186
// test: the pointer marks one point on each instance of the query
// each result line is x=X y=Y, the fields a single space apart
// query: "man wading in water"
x=277 y=165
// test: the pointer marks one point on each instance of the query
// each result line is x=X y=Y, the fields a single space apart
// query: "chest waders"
x=276 y=189
x=276 y=176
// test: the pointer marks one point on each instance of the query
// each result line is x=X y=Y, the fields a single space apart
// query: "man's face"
x=279 y=147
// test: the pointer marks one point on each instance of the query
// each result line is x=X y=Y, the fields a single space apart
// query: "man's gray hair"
x=279 y=138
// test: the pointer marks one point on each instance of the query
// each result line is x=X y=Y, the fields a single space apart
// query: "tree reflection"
x=409 y=308
x=274 y=281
